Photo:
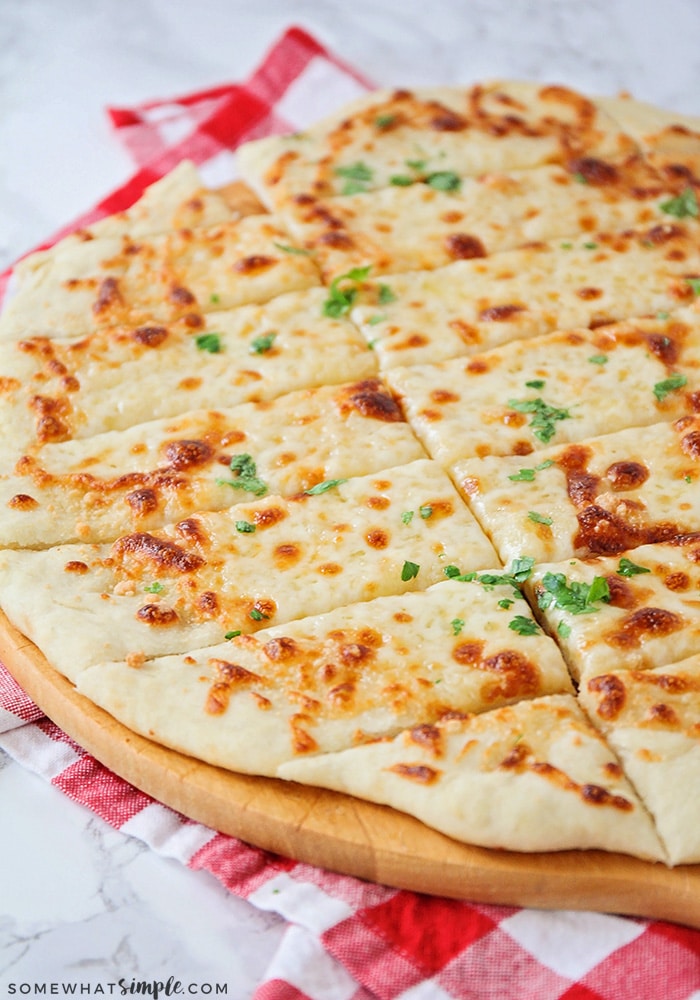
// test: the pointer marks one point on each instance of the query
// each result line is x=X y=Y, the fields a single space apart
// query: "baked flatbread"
x=632 y=611
x=588 y=382
x=600 y=496
x=344 y=678
x=474 y=305
x=142 y=478
x=82 y=287
x=650 y=719
x=57 y=389
x=189 y=584
x=529 y=777
x=418 y=134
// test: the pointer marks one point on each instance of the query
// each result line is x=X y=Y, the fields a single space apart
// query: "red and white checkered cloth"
x=346 y=939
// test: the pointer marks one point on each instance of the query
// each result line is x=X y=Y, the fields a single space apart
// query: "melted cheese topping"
x=587 y=382
x=346 y=677
x=602 y=496
x=54 y=389
x=82 y=287
x=540 y=757
x=154 y=473
x=503 y=125
x=188 y=584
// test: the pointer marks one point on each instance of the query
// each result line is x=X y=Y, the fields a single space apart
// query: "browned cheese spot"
x=286 y=555
x=663 y=715
x=642 y=624
x=378 y=503
x=269 y=516
x=165 y=554
x=587 y=294
x=108 y=295
x=22 y=501
x=626 y=475
x=185 y=454
x=76 y=566
x=420 y=773
x=371 y=399
x=157 y=614
x=253 y=264
x=378 y=538
x=230 y=676
x=516 y=676
x=500 y=314
x=281 y=648
x=142 y=502
x=612 y=695
x=150 y=336
x=594 y=171
x=208 y=603
x=429 y=737
x=462 y=246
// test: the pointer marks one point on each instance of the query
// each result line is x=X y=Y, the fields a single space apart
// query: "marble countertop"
x=82 y=902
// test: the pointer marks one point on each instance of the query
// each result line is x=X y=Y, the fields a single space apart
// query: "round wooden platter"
x=347 y=835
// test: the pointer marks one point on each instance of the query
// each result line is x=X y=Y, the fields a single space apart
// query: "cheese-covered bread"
x=81 y=287
x=529 y=777
x=600 y=496
x=551 y=389
x=327 y=683
x=97 y=488
x=388 y=137
x=650 y=719
x=54 y=390
x=474 y=305
x=270 y=560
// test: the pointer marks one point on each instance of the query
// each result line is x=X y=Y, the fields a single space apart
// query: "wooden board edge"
x=347 y=835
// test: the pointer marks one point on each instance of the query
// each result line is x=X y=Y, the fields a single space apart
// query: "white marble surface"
x=78 y=901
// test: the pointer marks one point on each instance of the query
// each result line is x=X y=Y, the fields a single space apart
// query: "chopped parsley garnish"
x=539 y=518
x=520 y=570
x=590 y=246
x=210 y=342
x=662 y=389
x=286 y=248
x=455 y=573
x=528 y=475
x=425 y=511
x=628 y=568
x=245 y=527
x=401 y=180
x=384 y=121
x=377 y=318
x=407 y=516
x=257 y=615
x=416 y=164
x=340 y=300
x=523 y=625
x=580 y=178
x=410 y=571
x=506 y=603
x=444 y=180
x=263 y=343
x=686 y=203
x=386 y=295
x=457 y=625
x=564 y=629
x=214 y=298
x=154 y=588
x=598 y=359
x=246 y=476
x=544 y=416
x=323 y=487
x=577 y=598
x=694 y=284
x=232 y=635
x=357 y=177
x=662 y=314
x=535 y=383
x=566 y=246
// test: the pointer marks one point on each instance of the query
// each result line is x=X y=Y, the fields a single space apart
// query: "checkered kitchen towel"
x=346 y=939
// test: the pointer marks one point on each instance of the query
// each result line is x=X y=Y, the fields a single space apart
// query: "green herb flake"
x=506 y=603
x=544 y=416
x=407 y=516
x=214 y=298
x=598 y=359
x=627 y=568
x=384 y=121
x=257 y=615
x=590 y=246
x=329 y=484
x=457 y=625
x=455 y=573
x=340 y=300
x=263 y=343
x=539 y=518
x=154 y=588
x=577 y=598
x=547 y=464
x=356 y=172
x=523 y=476
x=386 y=295
x=694 y=284
x=210 y=342
x=523 y=625
x=377 y=318
x=410 y=571
x=401 y=180
x=564 y=629
x=566 y=246
x=426 y=511
x=245 y=527
x=580 y=178
x=417 y=165
x=286 y=248
x=662 y=389
x=536 y=383
x=444 y=180
x=662 y=314
x=686 y=203
x=246 y=476
x=232 y=635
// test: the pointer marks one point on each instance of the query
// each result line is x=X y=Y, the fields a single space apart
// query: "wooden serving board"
x=347 y=835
